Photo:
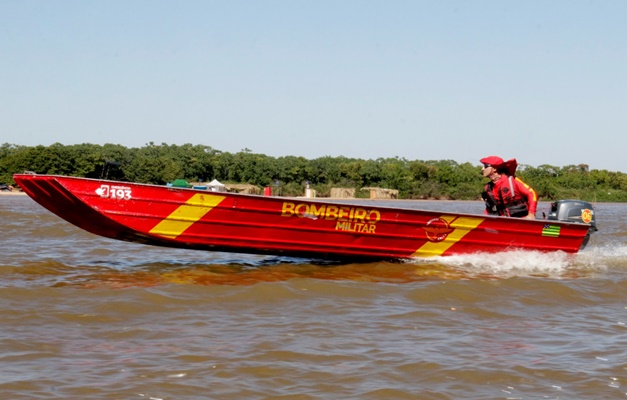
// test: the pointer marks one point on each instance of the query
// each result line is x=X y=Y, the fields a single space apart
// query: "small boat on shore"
x=301 y=227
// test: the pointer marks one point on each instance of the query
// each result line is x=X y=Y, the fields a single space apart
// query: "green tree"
x=417 y=179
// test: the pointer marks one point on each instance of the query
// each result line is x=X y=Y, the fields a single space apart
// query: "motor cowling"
x=576 y=211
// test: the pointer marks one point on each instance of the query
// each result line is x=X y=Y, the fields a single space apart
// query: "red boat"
x=229 y=222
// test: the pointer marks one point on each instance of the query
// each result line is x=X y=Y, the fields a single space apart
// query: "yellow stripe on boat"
x=461 y=226
x=186 y=215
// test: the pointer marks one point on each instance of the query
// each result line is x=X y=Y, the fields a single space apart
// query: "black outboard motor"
x=576 y=211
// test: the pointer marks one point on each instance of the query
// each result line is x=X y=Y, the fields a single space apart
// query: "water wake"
x=533 y=263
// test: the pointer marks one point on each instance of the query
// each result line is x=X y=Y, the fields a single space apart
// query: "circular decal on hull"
x=437 y=229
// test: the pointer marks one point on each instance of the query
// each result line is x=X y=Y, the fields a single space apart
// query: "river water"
x=83 y=317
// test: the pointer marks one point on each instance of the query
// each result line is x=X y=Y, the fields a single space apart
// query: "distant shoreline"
x=20 y=193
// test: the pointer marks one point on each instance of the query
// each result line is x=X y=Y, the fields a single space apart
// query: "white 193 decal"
x=114 y=192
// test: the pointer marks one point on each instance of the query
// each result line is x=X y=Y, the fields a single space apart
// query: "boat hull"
x=216 y=221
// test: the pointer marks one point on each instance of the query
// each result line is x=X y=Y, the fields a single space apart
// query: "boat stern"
x=575 y=211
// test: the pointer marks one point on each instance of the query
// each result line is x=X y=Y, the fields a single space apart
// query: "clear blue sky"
x=541 y=81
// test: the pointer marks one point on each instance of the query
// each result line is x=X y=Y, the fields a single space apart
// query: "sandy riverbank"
x=12 y=193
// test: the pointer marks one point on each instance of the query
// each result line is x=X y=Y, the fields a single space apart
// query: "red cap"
x=508 y=166
x=493 y=161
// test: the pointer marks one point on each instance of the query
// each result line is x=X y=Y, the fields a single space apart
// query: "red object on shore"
x=198 y=219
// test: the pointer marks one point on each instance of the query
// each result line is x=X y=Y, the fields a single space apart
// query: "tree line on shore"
x=288 y=175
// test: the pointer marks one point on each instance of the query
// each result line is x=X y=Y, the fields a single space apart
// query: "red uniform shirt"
x=502 y=194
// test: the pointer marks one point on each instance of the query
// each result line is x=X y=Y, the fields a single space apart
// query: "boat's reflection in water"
x=277 y=269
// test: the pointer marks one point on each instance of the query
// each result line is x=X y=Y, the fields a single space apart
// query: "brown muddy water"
x=83 y=317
